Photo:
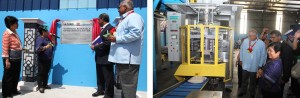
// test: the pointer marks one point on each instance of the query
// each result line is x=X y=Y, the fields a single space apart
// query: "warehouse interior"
x=186 y=33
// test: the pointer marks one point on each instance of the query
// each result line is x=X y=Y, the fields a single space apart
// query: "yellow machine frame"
x=202 y=69
x=193 y=1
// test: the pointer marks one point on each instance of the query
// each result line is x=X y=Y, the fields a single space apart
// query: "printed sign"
x=76 y=31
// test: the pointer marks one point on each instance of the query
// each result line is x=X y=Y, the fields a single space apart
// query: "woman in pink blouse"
x=11 y=54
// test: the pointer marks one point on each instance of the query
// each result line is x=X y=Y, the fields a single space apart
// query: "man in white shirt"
x=126 y=48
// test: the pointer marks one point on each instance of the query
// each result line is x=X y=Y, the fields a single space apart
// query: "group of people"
x=12 y=54
x=267 y=62
x=122 y=49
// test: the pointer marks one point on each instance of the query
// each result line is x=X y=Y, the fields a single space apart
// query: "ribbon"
x=53 y=29
x=96 y=29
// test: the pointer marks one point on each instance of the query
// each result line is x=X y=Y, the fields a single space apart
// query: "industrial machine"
x=206 y=51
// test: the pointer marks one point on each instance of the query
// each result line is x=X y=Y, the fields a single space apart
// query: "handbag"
x=295 y=72
x=15 y=54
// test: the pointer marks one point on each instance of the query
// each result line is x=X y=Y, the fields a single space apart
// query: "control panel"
x=174 y=21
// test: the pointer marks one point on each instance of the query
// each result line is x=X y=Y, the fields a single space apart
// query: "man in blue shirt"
x=126 y=48
x=253 y=56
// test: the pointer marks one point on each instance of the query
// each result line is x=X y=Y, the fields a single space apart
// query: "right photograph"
x=226 y=49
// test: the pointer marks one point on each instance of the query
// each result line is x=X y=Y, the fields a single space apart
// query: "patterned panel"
x=28 y=64
x=29 y=39
x=30 y=58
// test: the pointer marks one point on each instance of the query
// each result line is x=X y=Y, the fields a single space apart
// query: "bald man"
x=253 y=56
x=126 y=49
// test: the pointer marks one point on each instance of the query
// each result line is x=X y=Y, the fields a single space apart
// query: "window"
x=69 y=4
x=243 y=22
x=279 y=17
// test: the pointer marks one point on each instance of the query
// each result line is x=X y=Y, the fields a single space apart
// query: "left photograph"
x=73 y=48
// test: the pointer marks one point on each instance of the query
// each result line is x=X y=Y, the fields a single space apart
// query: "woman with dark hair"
x=11 y=55
x=270 y=74
x=44 y=50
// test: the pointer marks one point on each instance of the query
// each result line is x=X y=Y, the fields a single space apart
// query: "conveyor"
x=181 y=89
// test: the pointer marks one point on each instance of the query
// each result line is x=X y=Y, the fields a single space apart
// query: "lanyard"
x=251 y=46
x=130 y=12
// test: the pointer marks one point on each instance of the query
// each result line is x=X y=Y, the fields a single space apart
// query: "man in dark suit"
x=104 y=68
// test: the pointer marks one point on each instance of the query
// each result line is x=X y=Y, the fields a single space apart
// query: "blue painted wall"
x=74 y=63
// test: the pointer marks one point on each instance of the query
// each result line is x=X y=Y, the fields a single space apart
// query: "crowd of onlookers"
x=267 y=61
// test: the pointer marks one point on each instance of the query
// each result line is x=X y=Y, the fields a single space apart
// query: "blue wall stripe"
x=45 y=4
x=115 y=3
x=102 y=3
x=137 y=3
x=36 y=4
x=28 y=5
x=11 y=5
x=144 y=4
x=4 y=5
x=19 y=5
x=14 y=5
x=54 y=4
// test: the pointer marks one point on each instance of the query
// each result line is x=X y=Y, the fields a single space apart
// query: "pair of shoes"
x=107 y=96
x=241 y=94
x=98 y=93
x=118 y=85
x=10 y=96
x=290 y=93
x=16 y=93
x=47 y=87
x=42 y=90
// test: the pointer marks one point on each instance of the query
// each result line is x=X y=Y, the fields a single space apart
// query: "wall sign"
x=76 y=32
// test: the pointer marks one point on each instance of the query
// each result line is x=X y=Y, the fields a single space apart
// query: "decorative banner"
x=76 y=31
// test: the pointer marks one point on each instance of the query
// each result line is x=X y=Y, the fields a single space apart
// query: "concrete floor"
x=165 y=78
x=64 y=91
